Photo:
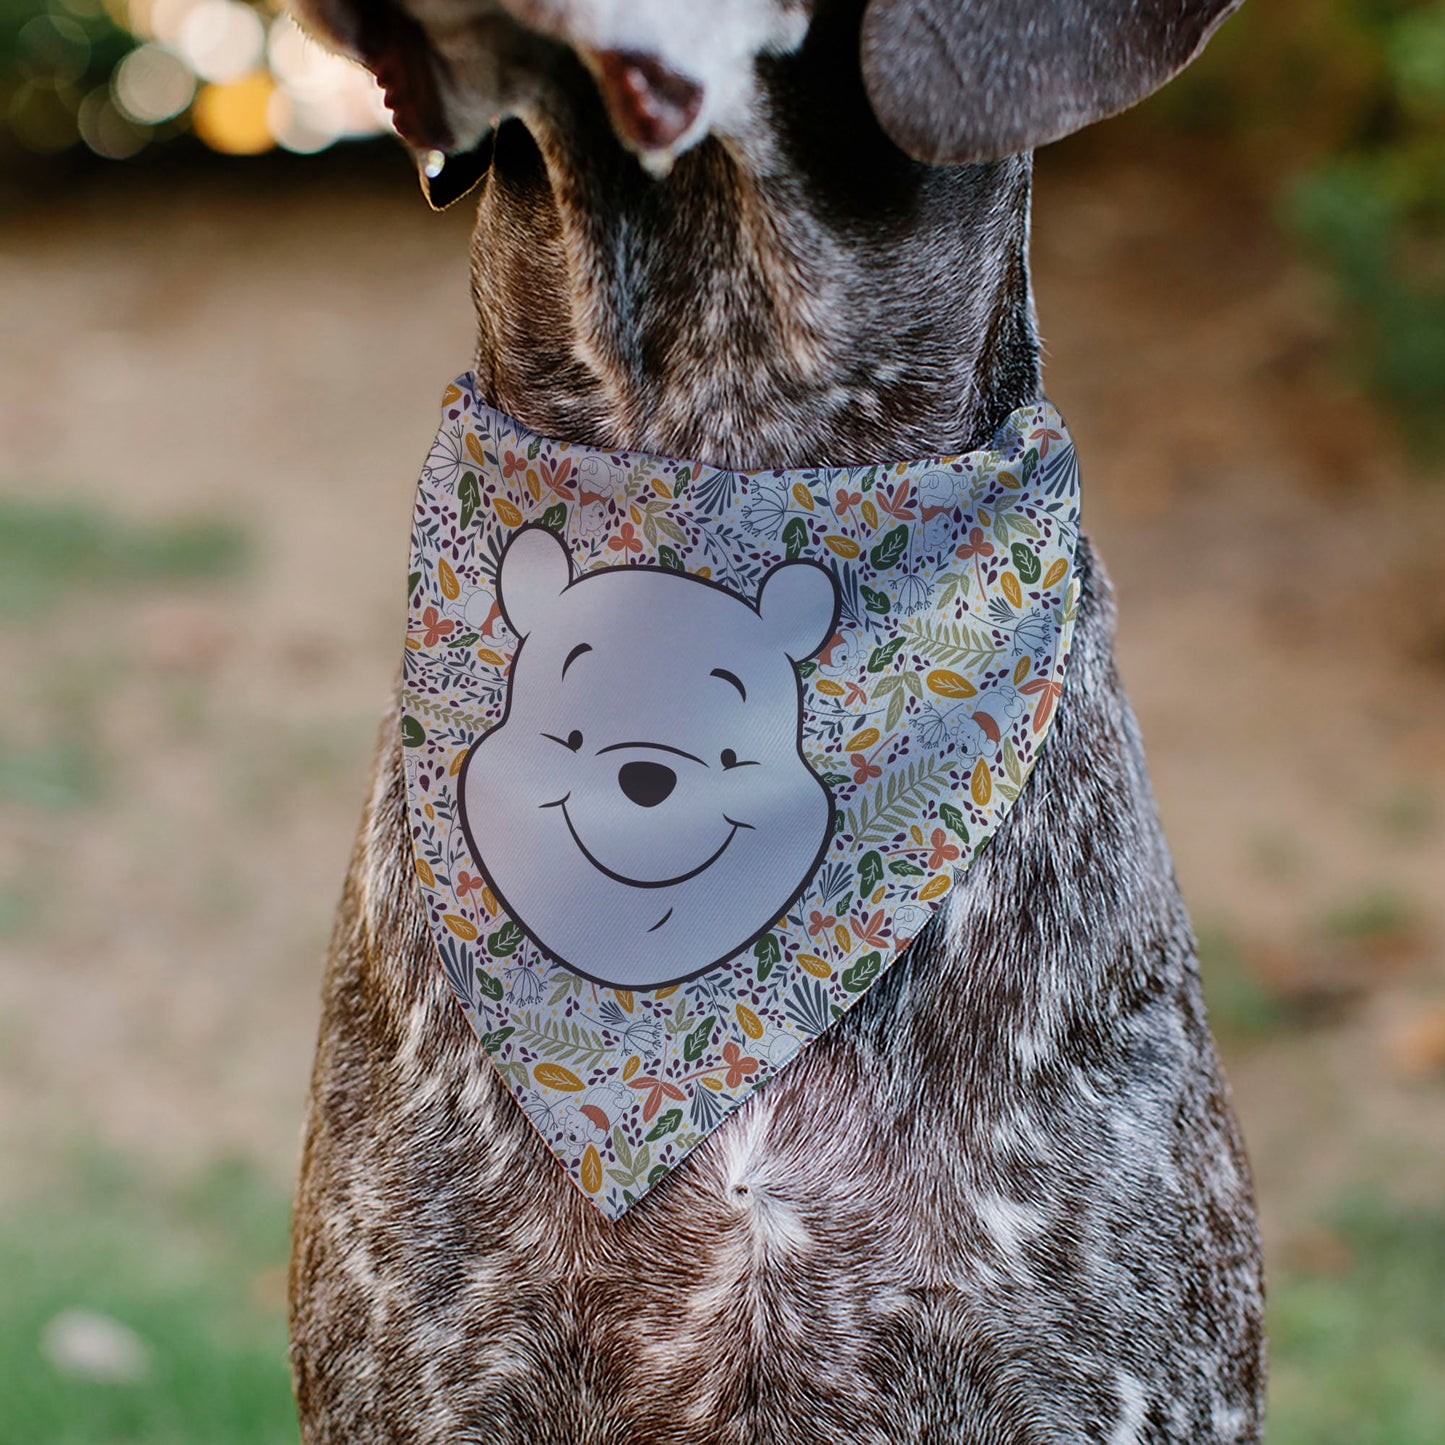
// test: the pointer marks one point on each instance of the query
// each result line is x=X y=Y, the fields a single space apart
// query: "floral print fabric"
x=922 y=715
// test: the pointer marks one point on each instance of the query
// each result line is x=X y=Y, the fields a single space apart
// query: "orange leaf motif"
x=464 y=928
x=554 y=1076
x=591 y=1170
x=981 y=784
x=950 y=684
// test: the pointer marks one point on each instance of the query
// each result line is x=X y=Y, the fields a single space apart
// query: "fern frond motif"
x=560 y=1042
x=900 y=801
x=953 y=644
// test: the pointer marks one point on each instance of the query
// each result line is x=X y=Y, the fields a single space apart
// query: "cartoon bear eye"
x=729 y=760
x=573 y=740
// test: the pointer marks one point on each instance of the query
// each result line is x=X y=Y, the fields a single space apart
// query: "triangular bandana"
x=692 y=754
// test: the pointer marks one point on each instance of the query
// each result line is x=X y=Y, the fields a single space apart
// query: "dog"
x=780 y=233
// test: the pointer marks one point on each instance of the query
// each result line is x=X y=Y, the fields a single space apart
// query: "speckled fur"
x=1003 y=1199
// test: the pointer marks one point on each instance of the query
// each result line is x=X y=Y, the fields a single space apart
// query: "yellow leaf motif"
x=451 y=588
x=464 y=928
x=661 y=488
x=1008 y=479
x=829 y=688
x=878 y=892
x=412 y=643
x=916 y=833
x=485 y=654
x=554 y=1076
x=712 y=1083
x=474 y=450
x=815 y=965
x=861 y=741
x=950 y=684
x=870 y=514
x=1055 y=574
x=935 y=888
x=981 y=784
x=630 y=1068
x=534 y=483
x=489 y=902
x=843 y=546
x=624 y=997
x=802 y=496
x=1011 y=589
x=423 y=871
x=507 y=512
x=667 y=992
x=456 y=763
x=591 y=1170
x=752 y=1024
x=845 y=939
x=450 y=395
x=1021 y=671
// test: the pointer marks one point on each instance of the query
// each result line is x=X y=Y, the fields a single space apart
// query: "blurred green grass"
x=51 y=549
x=1357 y=1321
x=195 y=1273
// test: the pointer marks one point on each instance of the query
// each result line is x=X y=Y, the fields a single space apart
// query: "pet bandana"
x=693 y=754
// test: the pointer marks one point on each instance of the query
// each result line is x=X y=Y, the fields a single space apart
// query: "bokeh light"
x=118 y=76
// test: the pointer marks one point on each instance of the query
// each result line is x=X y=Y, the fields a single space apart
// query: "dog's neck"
x=804 y=296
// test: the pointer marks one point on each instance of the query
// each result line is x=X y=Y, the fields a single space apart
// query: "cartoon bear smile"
x=644 y=810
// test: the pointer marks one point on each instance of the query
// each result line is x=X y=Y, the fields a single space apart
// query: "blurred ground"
x=183 y=757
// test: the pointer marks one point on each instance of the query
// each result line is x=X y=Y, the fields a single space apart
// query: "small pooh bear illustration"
x=644 y=810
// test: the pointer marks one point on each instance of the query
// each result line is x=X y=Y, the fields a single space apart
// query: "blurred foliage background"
x=226 y=317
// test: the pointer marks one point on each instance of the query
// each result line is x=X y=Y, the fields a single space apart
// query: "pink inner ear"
x=651 y=106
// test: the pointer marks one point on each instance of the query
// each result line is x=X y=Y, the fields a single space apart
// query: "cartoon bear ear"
x=534 y=571
x=799 y=603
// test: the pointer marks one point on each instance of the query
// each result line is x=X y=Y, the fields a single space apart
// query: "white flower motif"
x=763 y=516
x=525 y=986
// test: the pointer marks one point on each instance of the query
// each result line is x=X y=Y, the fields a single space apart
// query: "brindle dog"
x=1003 y=1199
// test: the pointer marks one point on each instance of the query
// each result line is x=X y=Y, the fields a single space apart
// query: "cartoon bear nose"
x=646 y=784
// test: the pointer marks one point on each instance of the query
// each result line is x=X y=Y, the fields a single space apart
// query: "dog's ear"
x=975 y=80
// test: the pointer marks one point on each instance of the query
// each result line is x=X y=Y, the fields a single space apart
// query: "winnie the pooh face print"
x=644 y=810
